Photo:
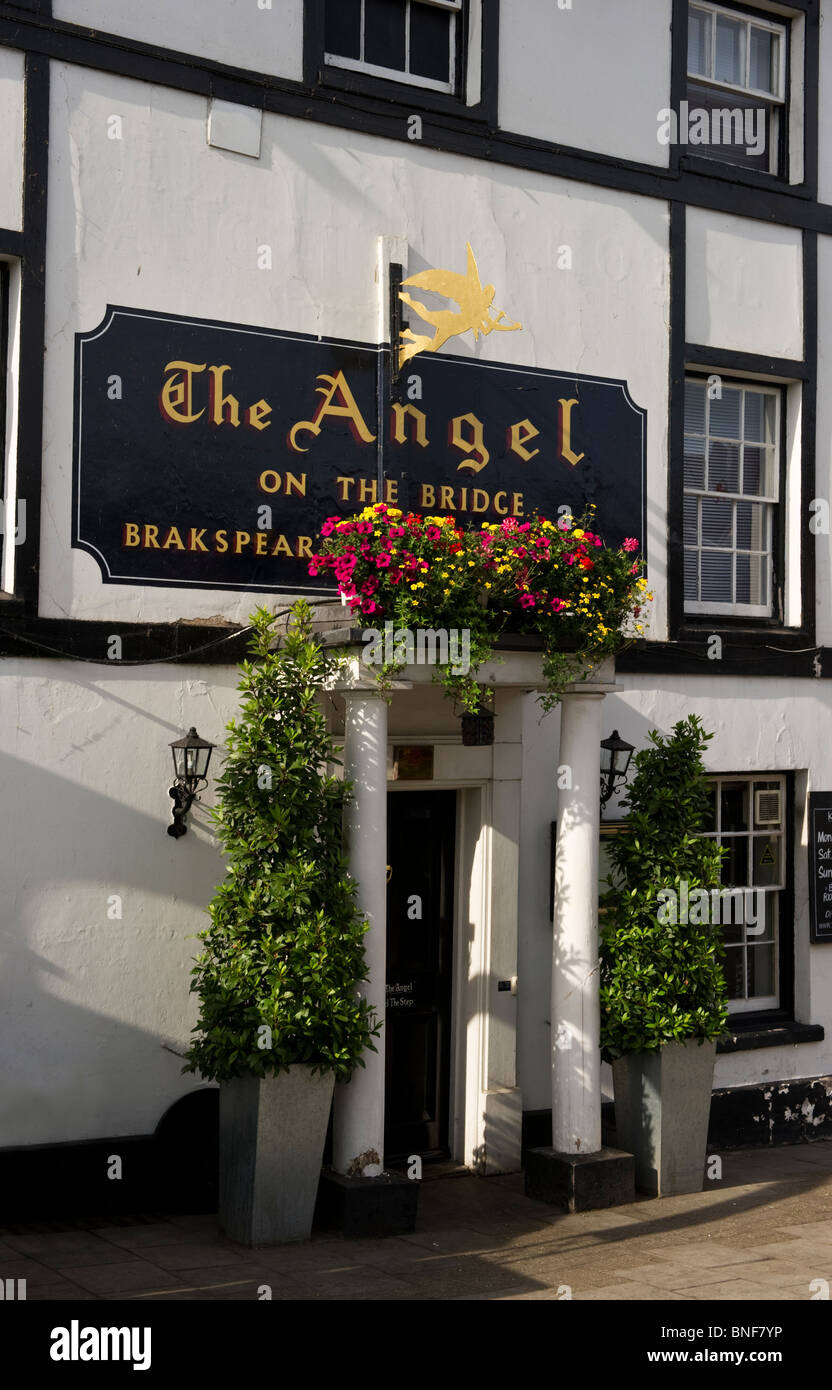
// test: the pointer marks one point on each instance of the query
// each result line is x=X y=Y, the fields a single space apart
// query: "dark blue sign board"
x=207 y=455
x=820 y=866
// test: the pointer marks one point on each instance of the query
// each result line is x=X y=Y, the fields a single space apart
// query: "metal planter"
x=272 y=1135
x=662 y=1107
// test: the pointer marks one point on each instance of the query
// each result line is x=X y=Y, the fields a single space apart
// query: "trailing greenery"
x=661 y=975
x=284 y=952
x=556 y=580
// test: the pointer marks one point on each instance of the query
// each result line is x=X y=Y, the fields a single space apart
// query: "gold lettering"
x=295 y=485
x=517 y=504
x=132 y=535
x=463 y=499
x=269 y=481
x=367 y=490
x=260 y=542
x=391 y=490
x=519 y=436
x=176 y=398
x=218 y=402
x=241 y=538
x=427 y=495
x=281 y=547
x=173 y=538
x=304 y=547
x=195 y=539
x=565 y=432
x=479 y=507
x=500 y=507
x=256 y=415
x=344 y=484
x=446 y=499
x=221 y=542
x=151 y=541
x=475 y=445
x=337 y=385
x=400 y=412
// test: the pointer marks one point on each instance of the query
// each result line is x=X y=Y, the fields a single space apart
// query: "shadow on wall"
x=172 y=1171
x=71 y=1071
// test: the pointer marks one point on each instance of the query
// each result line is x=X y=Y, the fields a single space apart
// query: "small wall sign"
x=820 y=866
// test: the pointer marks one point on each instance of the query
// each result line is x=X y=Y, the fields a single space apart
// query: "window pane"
x=761 y=575
x=725 y=414
x=761 y=59
x=691 y=575
x=753 y=469
x=691 y=520
x=717 y=521
x=760 y=970
x=342 y=28
x=766 y=860
x=734 y=806
x=740 y=129
x=430 y=42
x=699 y=42
x=709 y=821
x=729 y=63
x=716 y=576
x=735 y=972
x=753 y=417
x=694 y=408
x=735 y=863
x=694 y=462
x=384 y=33
x=743 y=583
x=723 y=467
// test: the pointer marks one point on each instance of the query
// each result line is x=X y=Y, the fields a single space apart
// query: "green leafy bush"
x=284 y=952
x=662 y=980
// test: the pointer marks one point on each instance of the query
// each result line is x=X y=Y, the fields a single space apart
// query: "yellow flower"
x=579 y=534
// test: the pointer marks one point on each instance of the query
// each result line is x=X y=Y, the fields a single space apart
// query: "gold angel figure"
x=474 y=304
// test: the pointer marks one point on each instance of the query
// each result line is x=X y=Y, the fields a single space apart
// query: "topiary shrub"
x=284 y=952
x=662 y=978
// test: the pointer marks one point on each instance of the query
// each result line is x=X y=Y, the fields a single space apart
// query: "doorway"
x=420 y=897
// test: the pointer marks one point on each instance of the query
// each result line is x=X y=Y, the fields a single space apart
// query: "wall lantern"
x=191 y=756
x=615 y=759
x=477 y=729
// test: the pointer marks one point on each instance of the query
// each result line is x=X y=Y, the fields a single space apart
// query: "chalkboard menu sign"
x=820 y=866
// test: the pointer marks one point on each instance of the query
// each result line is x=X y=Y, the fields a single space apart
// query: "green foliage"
x=285 y=944
x=662 y=981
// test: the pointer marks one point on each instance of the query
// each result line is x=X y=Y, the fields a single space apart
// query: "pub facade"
x=208 y=213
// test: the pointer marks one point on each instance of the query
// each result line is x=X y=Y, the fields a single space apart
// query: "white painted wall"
x=593 y=76
x=160 y=220
x=823 y=449
x=744 y=284
x=264 y=37
x=86 y=1002
x=11 y=145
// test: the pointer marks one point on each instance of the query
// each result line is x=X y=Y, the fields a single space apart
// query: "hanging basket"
x=477 y=729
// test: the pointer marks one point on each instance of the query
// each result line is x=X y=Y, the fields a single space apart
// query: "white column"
x=359 y=1103
x=576 y=1014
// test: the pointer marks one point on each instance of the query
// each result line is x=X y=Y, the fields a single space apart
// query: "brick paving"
x=764 y=1232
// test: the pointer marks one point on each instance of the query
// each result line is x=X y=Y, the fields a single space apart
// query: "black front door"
x=420 y=894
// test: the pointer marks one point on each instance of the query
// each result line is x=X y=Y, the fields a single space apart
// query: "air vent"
x=767 y=807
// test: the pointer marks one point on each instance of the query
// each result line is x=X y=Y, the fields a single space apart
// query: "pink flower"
x=527 y=601
x=433 y=533
x=344 y=526
x=364 y=528
x=383 y=561
x=557 y=605
x=630 y=544
x=327 y=528
x=633 y=569
x=313 y=569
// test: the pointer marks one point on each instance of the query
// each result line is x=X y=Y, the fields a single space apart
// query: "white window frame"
x=766 y=1001
x=396 y=74
x=775 y=99
x=772 y=499
x=756 y=21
